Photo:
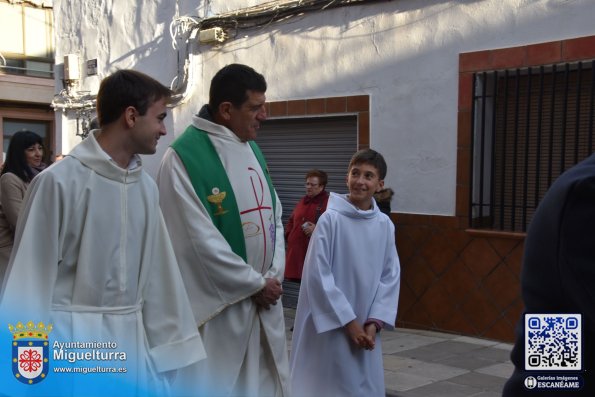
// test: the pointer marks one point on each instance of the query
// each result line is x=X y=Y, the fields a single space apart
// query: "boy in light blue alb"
x=349 y=291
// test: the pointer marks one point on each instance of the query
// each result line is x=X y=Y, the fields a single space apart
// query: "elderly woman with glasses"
x=302 y=222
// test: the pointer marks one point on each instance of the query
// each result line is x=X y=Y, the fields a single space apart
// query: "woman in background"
x=23 y=162
x=302 y=222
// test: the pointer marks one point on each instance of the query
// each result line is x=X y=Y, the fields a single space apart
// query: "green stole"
x=212 y=186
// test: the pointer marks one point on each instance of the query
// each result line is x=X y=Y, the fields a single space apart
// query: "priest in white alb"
x=224 y=218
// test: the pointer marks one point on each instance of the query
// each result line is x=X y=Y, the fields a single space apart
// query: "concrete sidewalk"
x=421 y=363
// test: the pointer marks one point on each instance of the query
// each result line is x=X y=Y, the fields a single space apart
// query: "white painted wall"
x=403 y=53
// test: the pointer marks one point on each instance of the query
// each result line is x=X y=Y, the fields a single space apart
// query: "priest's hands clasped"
x=269 y=295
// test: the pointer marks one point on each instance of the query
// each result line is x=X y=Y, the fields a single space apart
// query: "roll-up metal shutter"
x=294 y=146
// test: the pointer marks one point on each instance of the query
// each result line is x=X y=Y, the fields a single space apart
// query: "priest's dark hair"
x=126 y=88
x=232 y=83
x=372 y=157
x=16 y=161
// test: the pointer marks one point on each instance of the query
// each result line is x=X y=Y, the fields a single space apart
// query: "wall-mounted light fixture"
x=83 y=122
x=72 y=99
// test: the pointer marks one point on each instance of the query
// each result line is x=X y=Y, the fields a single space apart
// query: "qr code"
x=553 y=342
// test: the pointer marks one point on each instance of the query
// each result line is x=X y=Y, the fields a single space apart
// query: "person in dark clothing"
x=383 y=199
x=558 y=277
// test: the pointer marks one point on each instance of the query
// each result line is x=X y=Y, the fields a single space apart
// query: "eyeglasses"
x=308 y=184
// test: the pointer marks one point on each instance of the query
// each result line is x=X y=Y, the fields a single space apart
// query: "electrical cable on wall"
x=264 y=14
x=218 y=29
x=186 y=33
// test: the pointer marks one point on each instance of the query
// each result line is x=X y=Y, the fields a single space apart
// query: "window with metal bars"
x=529 y=126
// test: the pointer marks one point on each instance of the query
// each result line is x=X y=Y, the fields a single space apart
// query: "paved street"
x=421 y=363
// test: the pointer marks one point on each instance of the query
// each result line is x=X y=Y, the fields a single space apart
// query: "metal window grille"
x=529 y=126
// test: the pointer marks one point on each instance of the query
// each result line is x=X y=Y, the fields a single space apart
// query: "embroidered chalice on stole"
x=217 y=198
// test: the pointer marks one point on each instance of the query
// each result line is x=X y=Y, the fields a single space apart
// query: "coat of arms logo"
x=30 y=351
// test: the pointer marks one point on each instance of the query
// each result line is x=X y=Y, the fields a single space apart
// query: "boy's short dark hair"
x=232 y=83
x=321 y=175
x=127 y=88
x=372 y=157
